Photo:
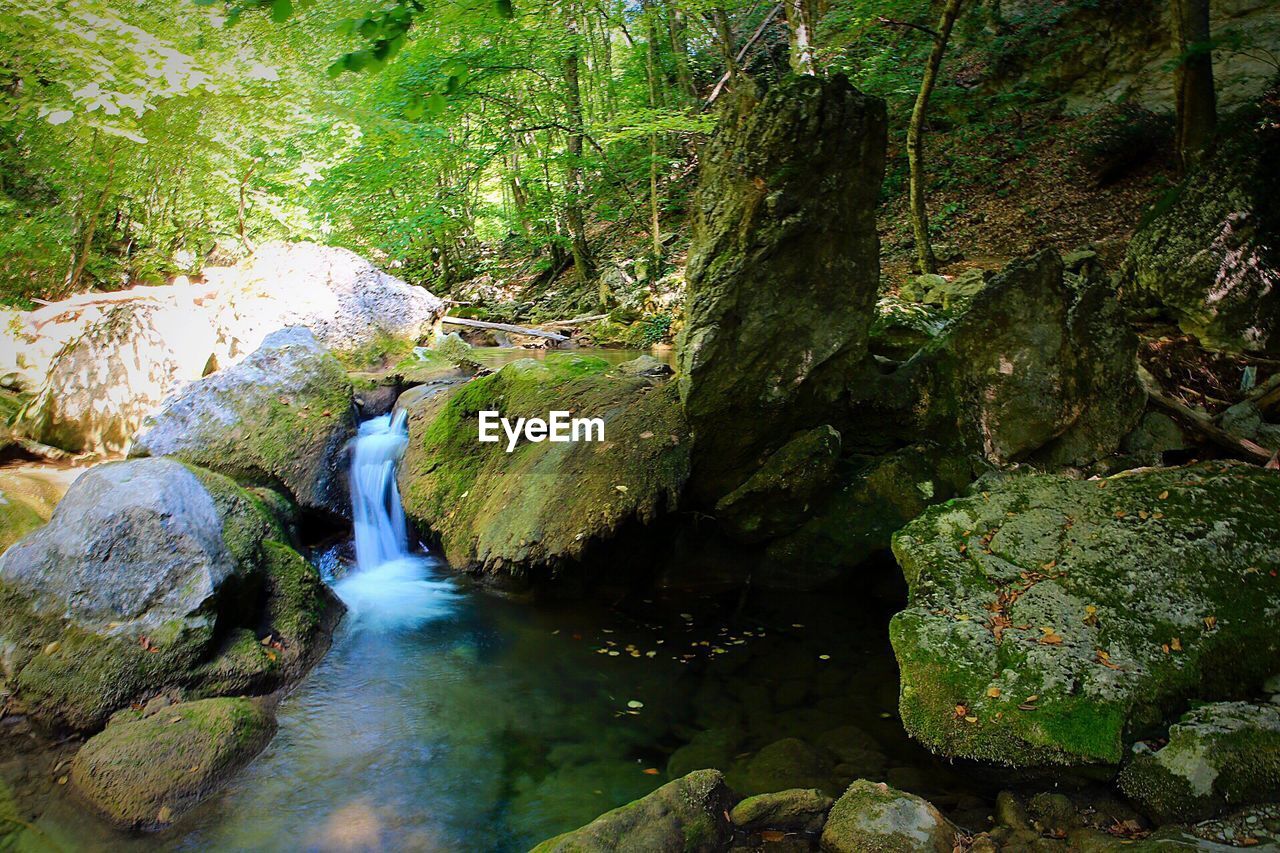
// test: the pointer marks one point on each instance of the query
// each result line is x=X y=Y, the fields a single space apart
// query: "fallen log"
x=1204 y=425
x=576 y=321
x=502 y=327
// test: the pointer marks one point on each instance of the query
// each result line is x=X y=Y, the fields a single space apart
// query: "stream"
x=446 y=718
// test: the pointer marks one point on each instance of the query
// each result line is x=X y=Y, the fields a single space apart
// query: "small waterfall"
x=391 y=586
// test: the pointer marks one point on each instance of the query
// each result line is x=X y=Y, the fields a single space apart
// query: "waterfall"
x=391 y=587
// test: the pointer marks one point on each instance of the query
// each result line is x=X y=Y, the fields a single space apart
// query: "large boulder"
x=793 y=810
x=1220 y=755
x=1210 y=255
x=106 y=379
x=782 y=272
x=1051 y=618
x=279 y=418
x=145 y=770
x=1036 y=366
x=543 y=503
x=198 y=573
x=871 y=816
x=689 y=815
x=353 y=308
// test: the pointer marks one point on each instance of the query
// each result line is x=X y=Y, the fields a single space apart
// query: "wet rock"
x=776 y=498
x=901 y=328
x=1049 y=616
x=870 y=816
x=281 y=417
x=645 y=365
x=541 y=505
x=708 y=748
x=1218 y=756
x=353 y=308
x=1210 y=256
x=194 y=559
x=782 y=273
x=143 y=773
x=114 y=372
x=684 y=816
x=796 y=810
x=783 y=764
x=950 y=293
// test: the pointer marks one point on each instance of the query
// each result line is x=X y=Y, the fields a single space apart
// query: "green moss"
x=382 y=351
x=296 y=595
x=1114 y=602
x=545 y=501
x=872 y=818
x=17 y=519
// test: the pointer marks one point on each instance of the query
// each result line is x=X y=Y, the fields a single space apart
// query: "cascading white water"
x=391 y=586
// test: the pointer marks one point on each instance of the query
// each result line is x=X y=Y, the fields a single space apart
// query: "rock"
x=645 y=365
x=1033 y=366
x=875 y=817
x=783 y=764
x=1156 y=434
x=282 y=418
x=1219 y=756
x=708 y=748
x=1108 y=601
x=782 y=272
x=541 y=505
x=25 y=504
x=115 y=372
x=354 y=309
x=684 y=816
x=198 y=573
x=796 y=810
x=846 y=526
x=901 y=328
x=776 y=498
x=1209 y=257
x=951 y=293
x=143 y=773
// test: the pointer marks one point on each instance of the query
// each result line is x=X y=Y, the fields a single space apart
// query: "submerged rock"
x=544 y=502
x=689 y=815
x=1050 y=617
x=281 y=418
x=198 y=573
x=1218 y=756
x=782 y=272
x=144 y=771
x=796 y=810
x=1210 y=254
x=870 y=816
x=784 y=764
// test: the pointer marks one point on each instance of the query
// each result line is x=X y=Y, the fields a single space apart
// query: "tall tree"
x=801 y=17
x=575 y=186
x=915 y=137
x=1197 y=106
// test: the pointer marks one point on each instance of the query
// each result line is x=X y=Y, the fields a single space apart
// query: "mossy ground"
x=544 y=502
x=1050 y=620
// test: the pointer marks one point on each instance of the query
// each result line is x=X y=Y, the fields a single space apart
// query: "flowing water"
x=449 y=719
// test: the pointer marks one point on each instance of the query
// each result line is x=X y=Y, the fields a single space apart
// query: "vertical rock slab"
x=782 y=273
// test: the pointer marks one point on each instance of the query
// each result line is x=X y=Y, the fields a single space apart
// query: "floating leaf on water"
x=824 y=657
x=650 y=771
x=635 y=703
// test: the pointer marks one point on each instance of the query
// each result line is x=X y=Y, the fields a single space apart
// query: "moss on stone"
x=1111 y=602
x=544 y=502
x=874 y=818
x=145 y=773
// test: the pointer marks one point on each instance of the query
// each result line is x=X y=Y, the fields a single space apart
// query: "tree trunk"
x=677 y=32
x=574 y=185
x=653 y=150
x=1196 y=103
x=724 y=34
x=88 y=225
x=915 y=138
x=800 y=20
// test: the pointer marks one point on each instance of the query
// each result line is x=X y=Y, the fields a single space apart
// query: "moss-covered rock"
x=874 y=818
x=281 y=417
x=795 y=810
x=543 y=503
x=198 y=569
x=688 y=815
x=782 y=273
x=144 y=772
x=1209 y=256
x=1050 y=618
x=1219 y=755
x=782 y=765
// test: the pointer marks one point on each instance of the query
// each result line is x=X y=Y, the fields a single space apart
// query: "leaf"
x=281 y=10
x=650 y=771
x=1164 y=495
x=436 y=104
x=773 y=835
x=993 y=692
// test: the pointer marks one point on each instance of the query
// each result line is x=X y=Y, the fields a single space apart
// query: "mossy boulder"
x=688 y=815
x=199 y=577
x=279 y=418
x=144 y=772
x=1050 y=619
x=782 y=765
x=782 y=273
x=542 y=504
x=1220 y=755
x=794 y=810
x=1209 y=254
x=871 y=817
x=901 y=327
